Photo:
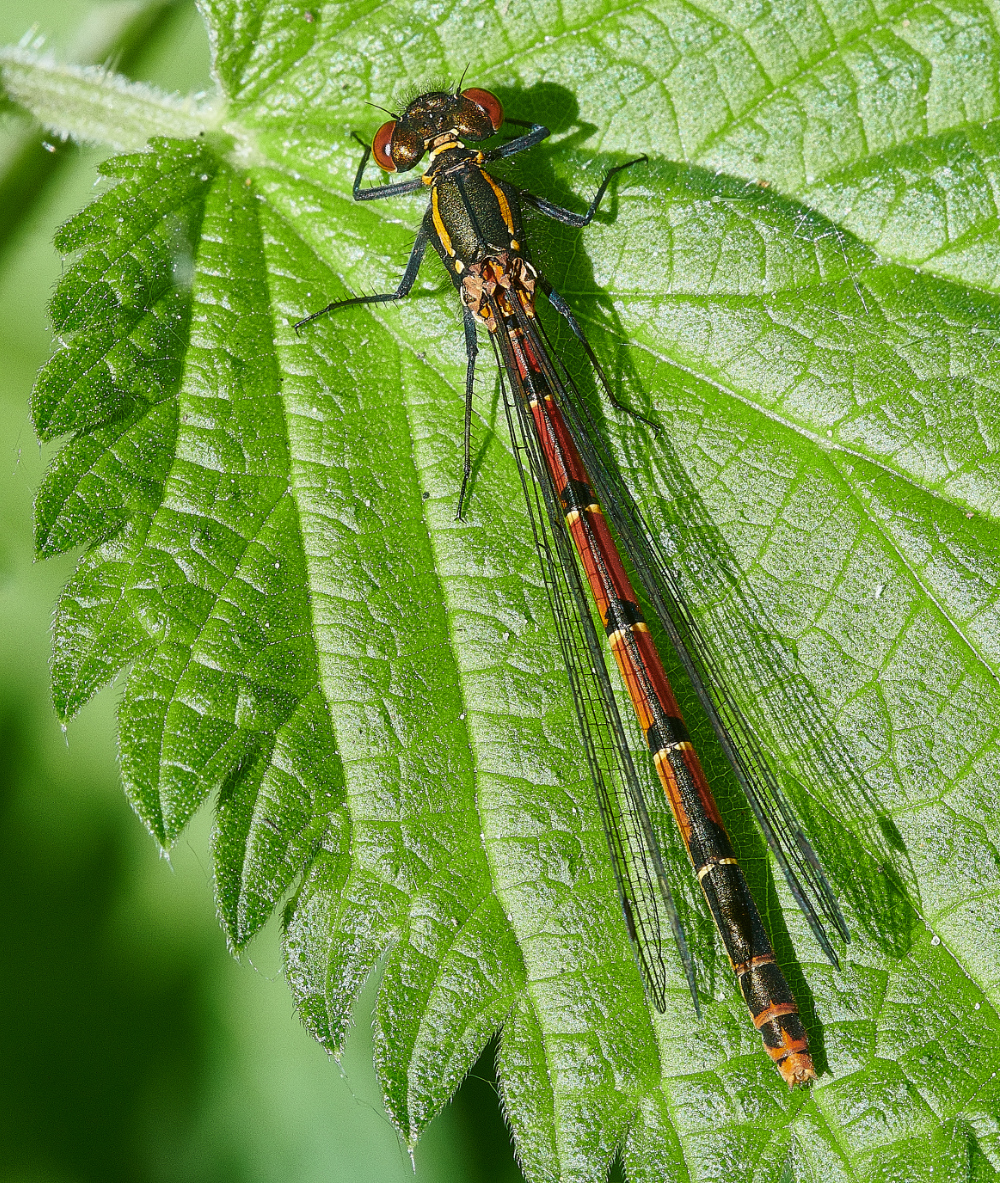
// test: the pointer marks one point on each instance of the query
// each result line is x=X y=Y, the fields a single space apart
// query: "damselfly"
x=570 y=482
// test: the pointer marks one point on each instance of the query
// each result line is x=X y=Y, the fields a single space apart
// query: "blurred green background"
x=134 y=1047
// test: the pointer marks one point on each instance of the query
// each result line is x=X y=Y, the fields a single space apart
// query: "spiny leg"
x=535 y=136
x=471 y=350
x=567 y=217
x=409 y=275
x=564 y=310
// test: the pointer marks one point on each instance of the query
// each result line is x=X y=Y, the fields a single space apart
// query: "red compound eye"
x=382 y=147
x=488 y=102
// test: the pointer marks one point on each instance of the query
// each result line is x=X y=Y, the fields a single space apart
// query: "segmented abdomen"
x=767 y=994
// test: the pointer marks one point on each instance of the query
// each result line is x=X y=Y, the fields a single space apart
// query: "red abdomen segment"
x=763 y=985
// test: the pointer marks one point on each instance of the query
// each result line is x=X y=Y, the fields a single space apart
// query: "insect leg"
x=538 y=133
x=564 y=310
x=471 y=350
x=409 y=275
x=567 y=217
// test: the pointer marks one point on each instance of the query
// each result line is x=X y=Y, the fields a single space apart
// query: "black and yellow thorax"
x=473 y=216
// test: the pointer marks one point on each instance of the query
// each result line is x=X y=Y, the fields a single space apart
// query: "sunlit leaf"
x=806 y=277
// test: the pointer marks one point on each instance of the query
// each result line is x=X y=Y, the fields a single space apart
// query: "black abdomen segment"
x=766 y=992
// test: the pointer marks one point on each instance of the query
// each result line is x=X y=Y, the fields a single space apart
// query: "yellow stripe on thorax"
x=443 y=234
x=502 y=201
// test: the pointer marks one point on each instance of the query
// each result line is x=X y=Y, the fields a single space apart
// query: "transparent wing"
x=646 y=898
x=753 y=768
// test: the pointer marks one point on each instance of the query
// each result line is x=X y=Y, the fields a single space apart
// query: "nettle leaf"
x=802 y=286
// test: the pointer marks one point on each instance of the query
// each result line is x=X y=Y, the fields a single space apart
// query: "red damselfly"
x=584 y=519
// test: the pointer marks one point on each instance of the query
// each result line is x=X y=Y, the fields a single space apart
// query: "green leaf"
x=802 y=287
x=92 y=104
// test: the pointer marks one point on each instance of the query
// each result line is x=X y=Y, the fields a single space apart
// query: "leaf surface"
x=372 y=692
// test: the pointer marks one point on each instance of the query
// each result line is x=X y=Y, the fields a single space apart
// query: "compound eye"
x=488 y=102
x=407 y=148
x=382 y=147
